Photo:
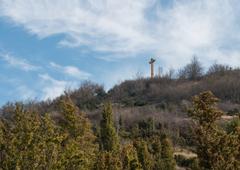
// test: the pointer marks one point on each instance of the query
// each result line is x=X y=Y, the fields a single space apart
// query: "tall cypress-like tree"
x=109 y=138
x=156 y=151
x=168 y=161
x=109 y=157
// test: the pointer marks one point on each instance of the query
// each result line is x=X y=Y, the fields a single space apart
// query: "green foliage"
x=168 y=161
x=31 y=141
x=195 y=164
x=130 y=158
x=51 y=140
x=108 y=161
x=144 y=156
x=233 y=125
x=21 y=150
x=216 y=148
x=144 y=129
x=156 y=149
x=109 y=138
x=80 y=148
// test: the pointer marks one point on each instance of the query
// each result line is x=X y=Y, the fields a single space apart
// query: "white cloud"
x=22 y=64
x=127 y=28
x=94 y=23
x=71 y=71
x=52 y=88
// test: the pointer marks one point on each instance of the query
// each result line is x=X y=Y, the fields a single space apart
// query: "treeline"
x=67 y=140
x=172 y=87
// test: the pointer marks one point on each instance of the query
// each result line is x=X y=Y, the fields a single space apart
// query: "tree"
x=88 y=96
x=109 y=157
x=21 y=144
x=80 y=148
x=156 y=151
x=168 y=161
x=32 y=141
x=109 y=138
x=144 y=156
x=108 y=161
x=130 y=158
x=51 y=143
x=147 y=127
x=216 y=148
x=218 y=69
x=192 y=71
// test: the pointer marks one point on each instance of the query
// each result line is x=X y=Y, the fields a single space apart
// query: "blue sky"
x=51 y=45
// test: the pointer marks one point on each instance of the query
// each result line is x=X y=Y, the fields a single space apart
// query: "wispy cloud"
x=22 y=64
x=71 y=71
x=25 y=92
x=52 y=88
x=127 y=28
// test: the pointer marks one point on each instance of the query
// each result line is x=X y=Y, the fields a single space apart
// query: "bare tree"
x=218 y=69
x=192 y=71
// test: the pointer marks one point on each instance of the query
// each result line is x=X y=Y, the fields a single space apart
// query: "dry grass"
x=184 y=152
x=227 y=118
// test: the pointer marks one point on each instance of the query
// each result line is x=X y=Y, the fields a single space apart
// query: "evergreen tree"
x=109 y=138
x=216 y=148
x=51 y=144
x=130 y=158
x=109 y=157
x=146 y=128
x=156 y=150
x=21 y=149
x=79 y=146
x=108 y=161
x=144 y=156
x=168 y=161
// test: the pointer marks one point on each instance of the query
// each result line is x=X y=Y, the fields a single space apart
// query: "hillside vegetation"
x=188 y=119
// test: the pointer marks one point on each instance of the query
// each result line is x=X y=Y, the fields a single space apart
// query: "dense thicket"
x=29 y=140
x=32 y=141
